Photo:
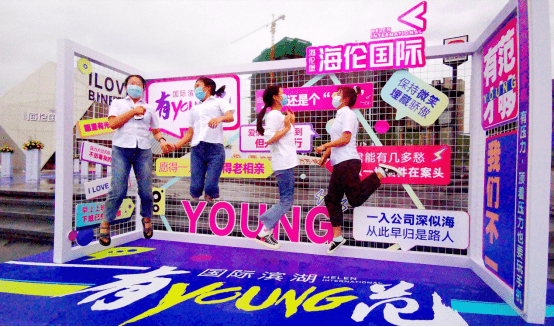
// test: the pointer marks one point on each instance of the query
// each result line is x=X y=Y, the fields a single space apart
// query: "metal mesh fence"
x=249 y=196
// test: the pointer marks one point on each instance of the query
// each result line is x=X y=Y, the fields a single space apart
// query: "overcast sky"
x=163 y=35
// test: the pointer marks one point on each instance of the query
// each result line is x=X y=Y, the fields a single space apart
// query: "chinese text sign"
x=500 y=77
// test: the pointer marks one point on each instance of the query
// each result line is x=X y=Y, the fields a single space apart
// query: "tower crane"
x=273 y=24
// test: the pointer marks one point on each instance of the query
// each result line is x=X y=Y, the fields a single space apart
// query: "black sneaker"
x=335 y=245
x=391 y=171
x=268 y=241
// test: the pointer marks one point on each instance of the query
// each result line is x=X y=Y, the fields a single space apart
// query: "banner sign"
x=233 y=168
x=99 y=187
x=522 y=156
x=499 y=204
x=319 y=97
x=411 y=227
x=94 y=127
x=414 y=98
x=173 y=99
x=90 y=215
x=500 y=77
x=428 y=165
x=376 y=55
x=96 y=153
x=252 y=141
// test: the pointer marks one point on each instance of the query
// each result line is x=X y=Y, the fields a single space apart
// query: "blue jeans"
x=285 y=181
x=122 y=160
x=206 y=165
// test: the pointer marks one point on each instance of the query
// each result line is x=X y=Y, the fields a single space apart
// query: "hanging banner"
x=429 y=164
x=173 y=98
x=500 y=77
x=376 y=55
x=499 y=204
x=233 y=168
x=319 y=97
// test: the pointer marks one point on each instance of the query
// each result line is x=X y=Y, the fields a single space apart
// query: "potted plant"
x=32 y=160
x=6 y=161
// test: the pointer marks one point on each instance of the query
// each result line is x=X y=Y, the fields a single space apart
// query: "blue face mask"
x=199 y=93
x=285 y=100
x=336 y=101
x=134 y=91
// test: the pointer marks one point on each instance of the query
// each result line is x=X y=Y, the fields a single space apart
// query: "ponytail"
x=260 y=117
x=220 y=93
x=269 y=92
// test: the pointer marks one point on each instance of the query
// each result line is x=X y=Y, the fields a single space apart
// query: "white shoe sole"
x=340 y=244
x=274 y=247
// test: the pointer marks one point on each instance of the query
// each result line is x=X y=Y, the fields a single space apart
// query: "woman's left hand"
x=214 y=122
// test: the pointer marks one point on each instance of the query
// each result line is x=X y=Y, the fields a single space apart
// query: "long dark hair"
x=211 y=84
x=351 y=94
x=269 y=92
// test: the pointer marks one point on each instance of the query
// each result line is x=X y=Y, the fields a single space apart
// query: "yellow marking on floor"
x=39 y=289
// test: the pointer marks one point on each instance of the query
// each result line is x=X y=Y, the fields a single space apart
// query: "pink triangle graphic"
x=414 y=17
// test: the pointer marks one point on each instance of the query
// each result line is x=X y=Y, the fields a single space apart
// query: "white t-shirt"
x=346 y=121
x=201 y=114
x=283 y=151
x=134 y=132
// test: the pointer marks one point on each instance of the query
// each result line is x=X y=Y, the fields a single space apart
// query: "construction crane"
x=273 y=25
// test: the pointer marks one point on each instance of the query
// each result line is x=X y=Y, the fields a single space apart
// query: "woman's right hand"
x=289 y=120
x=139 y=110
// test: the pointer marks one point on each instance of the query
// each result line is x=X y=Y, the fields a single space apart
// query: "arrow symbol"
x=414 y=17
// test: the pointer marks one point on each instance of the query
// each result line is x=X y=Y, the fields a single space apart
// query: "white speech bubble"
x=414 y=98
x=411 y=227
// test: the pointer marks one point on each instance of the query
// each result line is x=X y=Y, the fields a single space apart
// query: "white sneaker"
x=335 y=245
x=389 y=171
x=268 y=241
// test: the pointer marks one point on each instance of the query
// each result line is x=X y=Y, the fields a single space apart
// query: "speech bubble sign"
x=90 y=215
x=173 y=99
x=411 y=227
x=319 y=97
x=252 y=141
x=96 y=153
x=94 y=127
x=414 y=98
x=233 y=168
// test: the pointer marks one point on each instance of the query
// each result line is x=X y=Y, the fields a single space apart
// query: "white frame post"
x=64 y=147
x=539 y=171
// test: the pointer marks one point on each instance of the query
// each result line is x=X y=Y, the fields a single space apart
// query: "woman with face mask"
x=279 y=135
x=205 y=132
x=346 y=164
x=132 y=119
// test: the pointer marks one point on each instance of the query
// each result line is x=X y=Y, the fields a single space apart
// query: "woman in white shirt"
x=132 y=119
x=346 y=164
x=279 y=135
x=205 y=132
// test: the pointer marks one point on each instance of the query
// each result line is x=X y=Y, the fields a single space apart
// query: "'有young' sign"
x=411 y=227
x=500 y=77
x=173 y=99
x=252 y=141
x=319 y=97
x=429 y=164
x=382 y=54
